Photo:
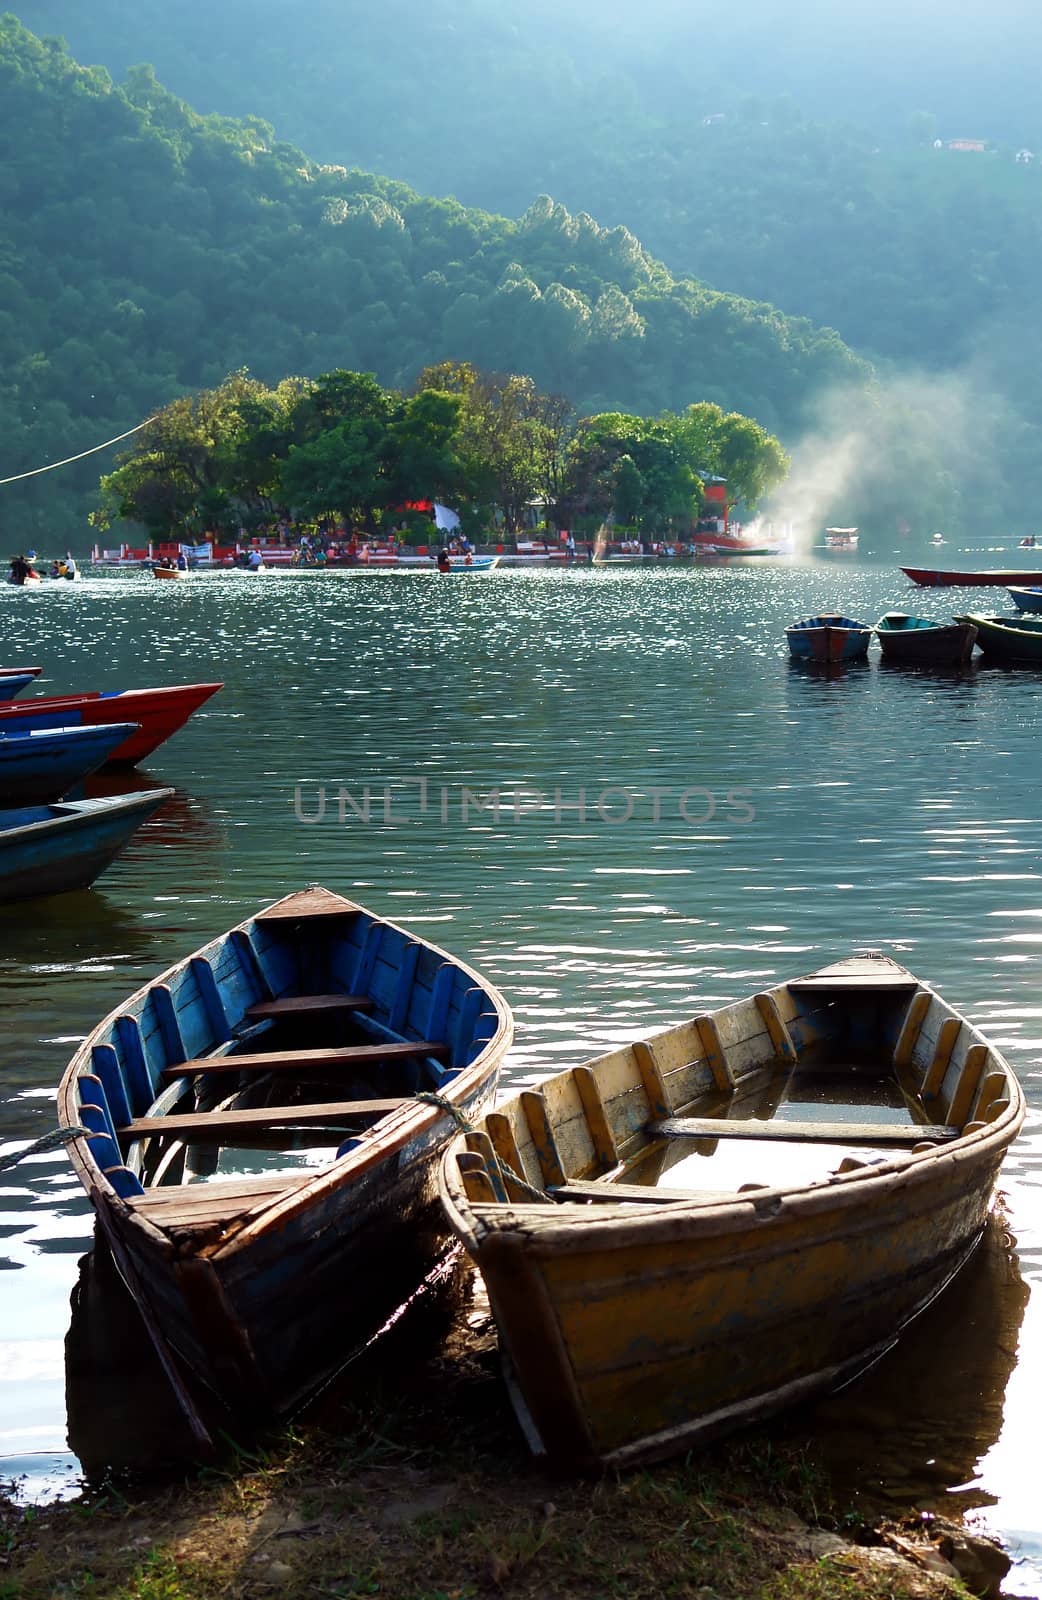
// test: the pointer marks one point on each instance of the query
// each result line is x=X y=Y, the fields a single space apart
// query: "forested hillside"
x=146 y=250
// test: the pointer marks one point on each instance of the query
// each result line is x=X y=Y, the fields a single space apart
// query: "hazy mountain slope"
x=146 y=249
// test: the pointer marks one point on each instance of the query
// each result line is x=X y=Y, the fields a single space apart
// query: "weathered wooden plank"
x=501 y=1133
x=969 y=1081
x=596 y=1118
x=651 y=1077
x=709 y=1034
x=550 y=1164
x=947 y=1034
x=308 y=1005
x=642 y=1194
x=219 y=1125
x=911 y=1027
x=306 y=904
x=814 y=1132
x=350 y=1055
x=784 y=1049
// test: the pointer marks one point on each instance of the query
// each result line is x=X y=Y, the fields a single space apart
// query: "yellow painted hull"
x=635 y=1328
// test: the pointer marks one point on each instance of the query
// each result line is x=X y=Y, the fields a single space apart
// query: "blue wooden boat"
x=14 y=679
x=921 y=642
x=312 y=1030
x=1026 y=599
x=829 y=637
x=42 y=764
x=50 y=849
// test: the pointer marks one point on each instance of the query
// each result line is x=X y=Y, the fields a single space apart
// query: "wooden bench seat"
x=205 y=1202
x=220 y=1127
x=812 y=1132
x=307 y=1005
x=350 y=1055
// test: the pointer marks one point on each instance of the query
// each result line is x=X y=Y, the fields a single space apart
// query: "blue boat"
x=39 y=766
x=50 y=849
x=14 y=679
x=348 y=1050
x=829 y=637
x=1026 y=599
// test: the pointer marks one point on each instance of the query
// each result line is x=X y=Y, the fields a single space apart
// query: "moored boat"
x=1026 y=599
x=841 y=538
x=932 y=578
x=14 y=679
x=159 y=713
x=49 y=849
x=312 y=1029
x=919 y=641
x=40 y=765
x=1015 y=639
x=829 y=637
x=697 y=1230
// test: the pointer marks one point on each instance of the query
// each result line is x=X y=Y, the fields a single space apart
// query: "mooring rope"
x=35 y=473
x=49 y=1141
x=464 y=1125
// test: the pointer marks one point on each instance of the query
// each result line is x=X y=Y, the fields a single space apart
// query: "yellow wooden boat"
x=699 y=1229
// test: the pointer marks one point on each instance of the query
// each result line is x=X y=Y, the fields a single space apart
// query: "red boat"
x=927 y=578
x=159 y=713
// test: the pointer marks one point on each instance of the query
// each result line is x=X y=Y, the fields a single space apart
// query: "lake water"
x=611 y=792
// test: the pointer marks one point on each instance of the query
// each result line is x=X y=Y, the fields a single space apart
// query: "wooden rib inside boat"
x=696 y=1230
x=256 y=1143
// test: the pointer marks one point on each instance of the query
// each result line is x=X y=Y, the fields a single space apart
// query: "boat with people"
x=1030 y=542
x=171 y=572
x=1026 y=598
x=699 y=1229
x=40 y=765
x=65 y=567
x=1016 y=640
x=828 y=637
x=51 y=849
x=448 y=563
x=159 y=713
x=933 y=578
x=23 y=574
x=347 y=1048
x=920 y=641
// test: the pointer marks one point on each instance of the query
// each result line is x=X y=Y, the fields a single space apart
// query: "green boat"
x=1014 y=639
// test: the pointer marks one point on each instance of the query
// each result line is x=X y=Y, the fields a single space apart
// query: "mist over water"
x=682 y=818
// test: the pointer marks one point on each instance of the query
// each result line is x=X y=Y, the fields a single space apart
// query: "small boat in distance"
x=841 y=538
x=466 y=564
x=1028 y=543
x=829 y=637
x=346 y=1047
x=173 y=573
x=1017 y=640
x=919 y=641
x=50 y=849
x=159 y=712
x=932 y=578
x=1026 y=599
x=699 y=1229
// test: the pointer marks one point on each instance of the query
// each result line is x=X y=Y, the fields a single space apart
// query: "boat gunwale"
x=566 y=1226
x=412 y=1120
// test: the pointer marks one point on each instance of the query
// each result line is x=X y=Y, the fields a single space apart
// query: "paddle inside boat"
x=700 y=1228
x=258 y=1147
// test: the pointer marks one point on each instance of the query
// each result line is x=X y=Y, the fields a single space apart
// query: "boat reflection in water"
x=913 y=1432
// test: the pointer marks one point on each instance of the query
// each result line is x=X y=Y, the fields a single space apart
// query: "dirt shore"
x=414 y=1484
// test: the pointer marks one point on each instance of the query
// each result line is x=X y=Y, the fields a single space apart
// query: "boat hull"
x=174 y=574
x=12 y=684
x=932 y=578
x=266 y=1284
x=1015 y=640
x=159 y=713
x=37 y=767
x=941 y=645
x=828 y=639
x=1026 y=599
x=57 y=848
x=634 y=1328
